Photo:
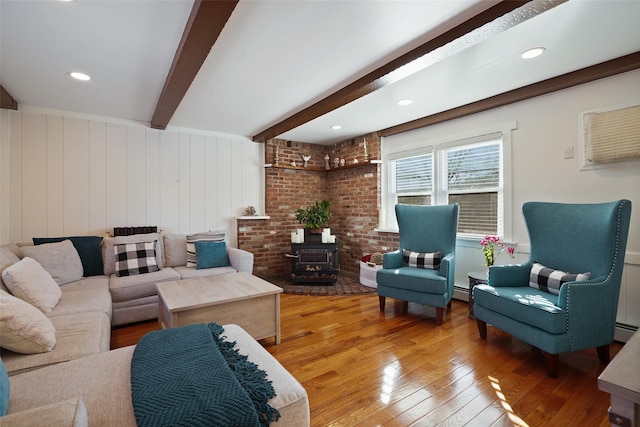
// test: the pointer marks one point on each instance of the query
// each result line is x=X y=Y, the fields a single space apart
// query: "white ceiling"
x=275 y=58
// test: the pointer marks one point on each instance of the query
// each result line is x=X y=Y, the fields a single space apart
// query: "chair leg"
x=551 y=360
x=482 y=328
x=449 y=305
x=405 y=306
x=603 y=353
x=439 y=315
x=382 y=301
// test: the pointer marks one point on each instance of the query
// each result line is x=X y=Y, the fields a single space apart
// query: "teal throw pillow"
x=88 y=248
x=4 y=390
x=211 y=254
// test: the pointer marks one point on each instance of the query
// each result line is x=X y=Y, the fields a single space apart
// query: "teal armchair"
x=553 y=312
x=428 y=234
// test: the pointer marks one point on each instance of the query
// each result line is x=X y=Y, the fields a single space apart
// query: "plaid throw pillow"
x=549 y=280
x=430 y=260
x=135 y=258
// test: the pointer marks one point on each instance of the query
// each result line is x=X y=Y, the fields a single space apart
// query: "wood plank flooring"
x=361 y=367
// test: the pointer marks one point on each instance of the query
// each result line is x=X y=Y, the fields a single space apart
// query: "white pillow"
x=23 y=328
x=60 y=259
x=27 y=280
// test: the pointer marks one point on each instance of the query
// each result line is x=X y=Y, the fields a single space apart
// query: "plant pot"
x=316 y=230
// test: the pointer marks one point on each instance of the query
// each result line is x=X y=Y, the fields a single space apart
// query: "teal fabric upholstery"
x=4 y=390
x=421 y=229
x=575 y=238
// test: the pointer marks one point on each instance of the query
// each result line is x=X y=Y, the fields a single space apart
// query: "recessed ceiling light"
x=532 y=53
x=80 y=76
x=405 y=102
x=336 y=127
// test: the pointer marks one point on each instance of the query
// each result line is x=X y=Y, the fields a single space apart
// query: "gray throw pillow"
x=61 y=260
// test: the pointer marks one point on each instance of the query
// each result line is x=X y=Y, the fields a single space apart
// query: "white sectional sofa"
x=80 y=381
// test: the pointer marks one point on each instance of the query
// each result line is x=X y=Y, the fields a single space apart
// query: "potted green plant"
x=314 y=217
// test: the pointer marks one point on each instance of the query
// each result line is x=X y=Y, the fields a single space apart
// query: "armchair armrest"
x=593 y=310
x=240 y=259
x=392 y=259
x=509 y=275
x=68 y=413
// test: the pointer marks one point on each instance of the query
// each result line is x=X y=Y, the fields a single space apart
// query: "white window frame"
x=416 y=143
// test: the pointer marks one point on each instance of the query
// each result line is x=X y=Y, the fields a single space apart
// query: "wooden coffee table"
x=240 y=298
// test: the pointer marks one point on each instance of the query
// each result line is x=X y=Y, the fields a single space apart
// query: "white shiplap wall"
x=71 y=175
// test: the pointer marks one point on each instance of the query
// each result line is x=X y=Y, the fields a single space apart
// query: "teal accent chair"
x=424 y=229
x=573 y=238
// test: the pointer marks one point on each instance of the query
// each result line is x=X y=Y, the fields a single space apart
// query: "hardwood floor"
x=364 y=368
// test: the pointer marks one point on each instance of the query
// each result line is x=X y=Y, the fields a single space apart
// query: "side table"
x=475 y=278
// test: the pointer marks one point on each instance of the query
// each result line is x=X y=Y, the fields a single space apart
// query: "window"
x=469 y=171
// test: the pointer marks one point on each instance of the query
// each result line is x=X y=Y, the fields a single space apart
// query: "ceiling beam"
x=6 y=100
x=207 y=19
x=378 y=78
x=564 y=81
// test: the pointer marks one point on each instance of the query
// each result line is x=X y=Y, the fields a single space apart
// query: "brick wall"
x=353 y=190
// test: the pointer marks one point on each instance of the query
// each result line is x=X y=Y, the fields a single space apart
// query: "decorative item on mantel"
x=336 y=162
x=314 y=217
x=366 y=156
x=489 y=244
x=326 y=162
x=276 y=159
x=250 y=211
x=306 y=159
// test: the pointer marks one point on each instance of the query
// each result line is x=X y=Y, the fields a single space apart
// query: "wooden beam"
x=564 y=81
x=379 y=78
x=6 y=100
x=207 y=19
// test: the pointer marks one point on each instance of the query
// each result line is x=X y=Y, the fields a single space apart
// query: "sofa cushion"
x=88 y=248
x=430 y=260
x=77 y=335
x=108 y=255
x=27 y=280
x=207 y=236
x=101 y=381
x=60 y=259
x=4 y=390
x=135 y=258
x=211 y=254
x=550 y=280
x=7 y=259
x=80 y=300
x=139 y=286
x=24 y=328
x=188 y=272
x=68 y=413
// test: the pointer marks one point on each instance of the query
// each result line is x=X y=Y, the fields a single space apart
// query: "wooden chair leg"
x=551 y=360
x=405 y=306
x=482 y=328
x=449 y=305
x=439 y=315
x=382 y=301
x=603 y=353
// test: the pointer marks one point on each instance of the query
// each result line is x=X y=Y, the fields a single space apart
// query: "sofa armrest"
x=240 y=259
x=71 y=413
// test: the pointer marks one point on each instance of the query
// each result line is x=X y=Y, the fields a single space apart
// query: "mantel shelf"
x=317 y=169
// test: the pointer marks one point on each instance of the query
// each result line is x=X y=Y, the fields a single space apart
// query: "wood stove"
x=314 y=262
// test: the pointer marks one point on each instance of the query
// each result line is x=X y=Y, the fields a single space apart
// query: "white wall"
x=64 y=174
x=545 y=126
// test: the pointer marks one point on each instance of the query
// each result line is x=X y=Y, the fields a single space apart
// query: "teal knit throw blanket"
x=192 y=376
